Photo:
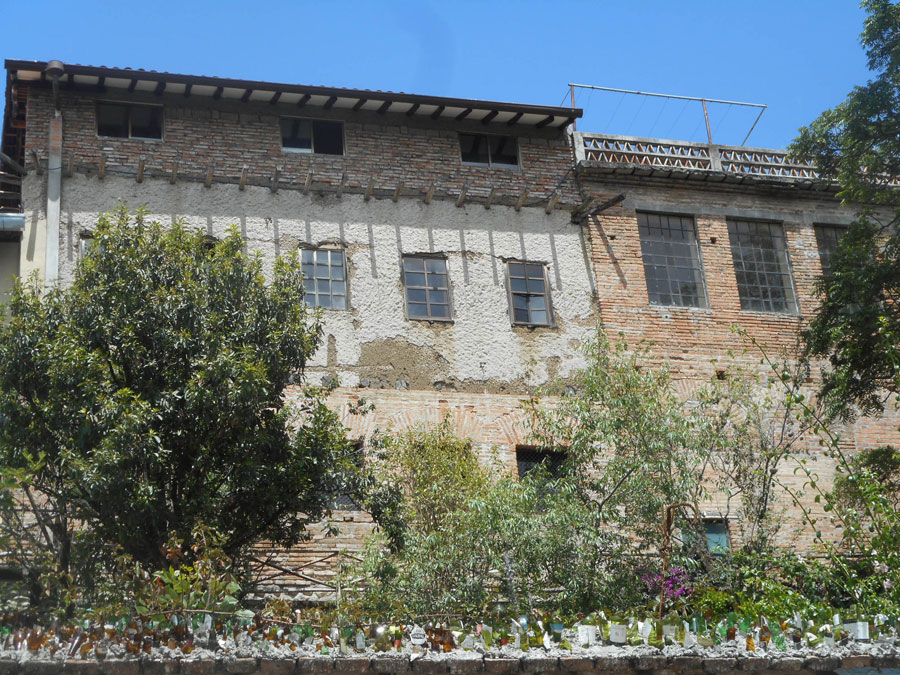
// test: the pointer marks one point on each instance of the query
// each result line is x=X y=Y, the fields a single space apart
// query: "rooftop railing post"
x=715 y=159
x=578 y=144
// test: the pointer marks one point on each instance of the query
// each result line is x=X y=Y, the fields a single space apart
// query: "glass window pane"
x=517 y=285
x=328 y=137
x=416 y=295
x=516 y=269
x=440 y=311
x=321 y=257
x=537 y=302
x=473 y=148
x=309 y=271
x=535 y=271
x=337 y=288
x=415 y=279
x=325 y=301
x=112 y=120
x=309 y=285
x=146 y=121
x=437 y=281
x=437 y=296
x=418 y=310
x=337 y=273
x=414 y=264
x=535 y=285
x=337 y=258
x=296 y=134
x=339 y=302
x=323 y=286
x=521 y=315
x=307 y=255
x=520 y=301
x=504 y=150
x=322 y=272
x=435 y=266
x=539 y=317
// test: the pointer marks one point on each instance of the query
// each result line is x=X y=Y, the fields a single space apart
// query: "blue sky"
x=797 y=56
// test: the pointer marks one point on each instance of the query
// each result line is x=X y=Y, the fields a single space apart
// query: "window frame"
x=346 y=279
x=312 y=149
x=703 y=295
x=830 y=227
x=490 y=163
x=551 y=318
x=129 y=106
x=406 y=288
x=789 y=289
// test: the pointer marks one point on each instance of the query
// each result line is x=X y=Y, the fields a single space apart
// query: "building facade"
x=461 y=250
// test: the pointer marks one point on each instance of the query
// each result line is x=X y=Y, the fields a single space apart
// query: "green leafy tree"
x=857 y=145
x=149 y=396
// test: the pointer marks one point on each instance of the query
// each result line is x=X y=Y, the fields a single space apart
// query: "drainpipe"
x=53 y=70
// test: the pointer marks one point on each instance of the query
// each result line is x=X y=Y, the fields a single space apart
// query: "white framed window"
x=324 y=277
x=320 y=137
x=130 y=120
x=529 y=293
x=489 y=150
x=426 y=287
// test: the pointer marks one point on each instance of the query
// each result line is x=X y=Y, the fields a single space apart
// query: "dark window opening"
x=344 y=501
x=827 y=239
x=529 y=294
x=671 y=259
x=118 y=120
x=427 y=288
x=317 y=136
x=761 y=266
x=489 y=150
x=324 y=277
x=528 y=459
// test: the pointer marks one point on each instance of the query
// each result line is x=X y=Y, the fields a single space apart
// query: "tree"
x=857 y=145
x=149 y=396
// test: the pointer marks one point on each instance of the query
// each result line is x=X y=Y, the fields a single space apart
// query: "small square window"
x=485 y=150
x=529 y=294
x=118 y=120
x=671 y=260
x=324 y=277
x=761 y=266
x=529 y=458
x=321 y=137
x=827 y=239
x=427 y=288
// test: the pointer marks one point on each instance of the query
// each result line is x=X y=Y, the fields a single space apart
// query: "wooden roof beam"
x=544 y=122
x=329 y=104
x=275 y=97
x=491 y=115
x=437 y=112
x=359 y=104
x=515 y=118
x=160 y=88
x=303 y=100
x=246 y=95
x=383 y=108
x=464 y=114
x=412 y=110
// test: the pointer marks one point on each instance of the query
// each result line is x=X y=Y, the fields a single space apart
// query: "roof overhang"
x=489 y=113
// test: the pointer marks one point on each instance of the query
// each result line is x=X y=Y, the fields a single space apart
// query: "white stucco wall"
x=373 y=340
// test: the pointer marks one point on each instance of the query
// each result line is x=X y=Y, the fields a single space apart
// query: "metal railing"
x=682 y=155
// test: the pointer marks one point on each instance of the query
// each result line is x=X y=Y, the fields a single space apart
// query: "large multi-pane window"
x=827 y=239
x=671 y=260
x=761 y=266
x=427 y=287
x=324 y=277
x=529 y=295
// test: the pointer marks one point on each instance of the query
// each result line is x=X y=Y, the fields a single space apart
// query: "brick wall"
x=387 y=148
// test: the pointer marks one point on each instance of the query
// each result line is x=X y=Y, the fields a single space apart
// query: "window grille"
x=671 y=258
x=761 y=266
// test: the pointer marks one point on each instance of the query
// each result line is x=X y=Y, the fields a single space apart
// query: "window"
x=759 y=251
x=317 y=136
x=344 y=501
x=119 y=120
x=528 y=293
x=324 y=277
x=529 y=458
x=827 y=239
x=487 y=150
x=86 y=242
x=671 y=260
x=716 y=533
x=427 y=287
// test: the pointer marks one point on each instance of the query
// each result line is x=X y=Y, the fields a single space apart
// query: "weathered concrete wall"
x=372 y=344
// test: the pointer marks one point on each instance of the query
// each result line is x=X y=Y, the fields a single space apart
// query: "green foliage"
x=632 y=444
x=857 y=144
x=148 y=396
x=873 y=465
